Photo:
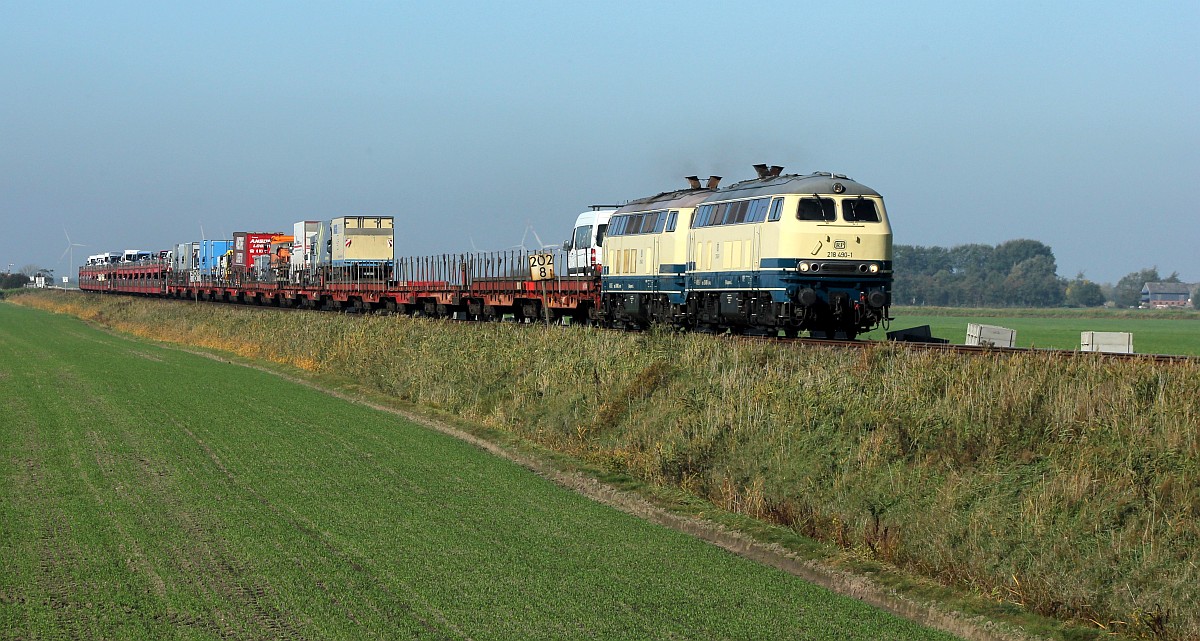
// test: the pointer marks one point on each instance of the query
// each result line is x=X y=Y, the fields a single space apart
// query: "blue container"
x=211 y=252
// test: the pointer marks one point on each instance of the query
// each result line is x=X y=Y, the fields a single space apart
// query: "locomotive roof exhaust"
x=694 y=181
x=764 y=171
x=713 y=181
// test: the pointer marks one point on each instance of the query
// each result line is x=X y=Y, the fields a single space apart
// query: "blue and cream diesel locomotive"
x=786 y=253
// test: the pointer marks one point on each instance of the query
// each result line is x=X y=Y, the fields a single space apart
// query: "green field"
x=150 y=493
x=1154 y=332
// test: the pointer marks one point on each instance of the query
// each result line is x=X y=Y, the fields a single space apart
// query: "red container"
x=247 y=245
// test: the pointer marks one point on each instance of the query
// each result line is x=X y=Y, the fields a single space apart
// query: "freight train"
x=776 y=254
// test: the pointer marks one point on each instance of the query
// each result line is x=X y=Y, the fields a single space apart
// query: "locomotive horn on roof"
x=774 y=171
x=713 y=181
x=761 y=170
x=694 y=181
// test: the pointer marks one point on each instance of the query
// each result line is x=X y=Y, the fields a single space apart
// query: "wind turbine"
x=69 y=251
x=530 y=230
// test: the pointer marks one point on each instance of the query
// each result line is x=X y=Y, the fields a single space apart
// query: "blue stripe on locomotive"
x=672 y=281
x=778 y=276
x=784 y=282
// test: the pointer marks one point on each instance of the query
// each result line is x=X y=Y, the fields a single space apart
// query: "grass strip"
x=155 y=494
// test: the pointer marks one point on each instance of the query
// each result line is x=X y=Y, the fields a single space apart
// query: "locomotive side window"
x=758 y=210
x=776 y=208
x=660 y=222
x=736 y=212
x=628 y=224
x=635 y=224
x=859 y=210
x=816 y=208
x=647 y=222
x=718 y=215
x=671 y=219
x=732 y=213
x=615 y=224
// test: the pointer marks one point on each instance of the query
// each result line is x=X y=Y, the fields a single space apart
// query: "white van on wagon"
x=585 y=249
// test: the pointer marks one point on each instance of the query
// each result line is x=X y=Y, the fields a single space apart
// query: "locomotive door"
x=652 y=263
x=756 y=256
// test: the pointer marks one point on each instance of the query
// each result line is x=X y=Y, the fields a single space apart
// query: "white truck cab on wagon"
x=585 y=249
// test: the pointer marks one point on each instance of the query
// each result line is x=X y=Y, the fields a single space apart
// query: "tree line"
x=1016 y=273
x=13 y=281
x=18 y=279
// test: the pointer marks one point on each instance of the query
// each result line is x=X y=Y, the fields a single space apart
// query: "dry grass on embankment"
x=1069 y=487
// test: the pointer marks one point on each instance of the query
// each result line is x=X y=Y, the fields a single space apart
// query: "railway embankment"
x=1067 y=488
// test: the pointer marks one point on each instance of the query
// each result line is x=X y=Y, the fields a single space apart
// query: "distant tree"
x=1128 y=291
x=13 y=281
x=1082 y=292
x=1108 y=289
x=1015 y=273
x=1009 y=254
x=1033 y=283
x=30 y=270
x=918 y=272
x=1196 y=296
x=967 y=259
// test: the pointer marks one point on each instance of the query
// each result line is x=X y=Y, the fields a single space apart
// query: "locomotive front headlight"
x=803 y=266
x=874 y=268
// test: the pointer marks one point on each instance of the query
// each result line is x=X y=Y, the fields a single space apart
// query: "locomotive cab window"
x=859 y=210
x=816 y=208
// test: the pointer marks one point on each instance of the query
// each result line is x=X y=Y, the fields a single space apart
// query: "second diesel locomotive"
x=775 y=253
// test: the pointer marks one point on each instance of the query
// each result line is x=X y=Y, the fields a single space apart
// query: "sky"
x=481 y=125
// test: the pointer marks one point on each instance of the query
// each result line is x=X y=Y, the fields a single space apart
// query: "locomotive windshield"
x=816 y=208
x=859 y=210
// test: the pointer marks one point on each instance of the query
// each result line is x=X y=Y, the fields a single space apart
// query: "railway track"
x=813 y=342
x=980 y=350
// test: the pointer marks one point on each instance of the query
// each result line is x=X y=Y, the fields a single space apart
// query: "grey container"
x=1108 y=342
x=991 y=336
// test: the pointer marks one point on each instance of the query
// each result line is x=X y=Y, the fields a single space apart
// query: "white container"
x=362 y=240
x=304 y=237
x=1109 y=342
x=990 y=336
